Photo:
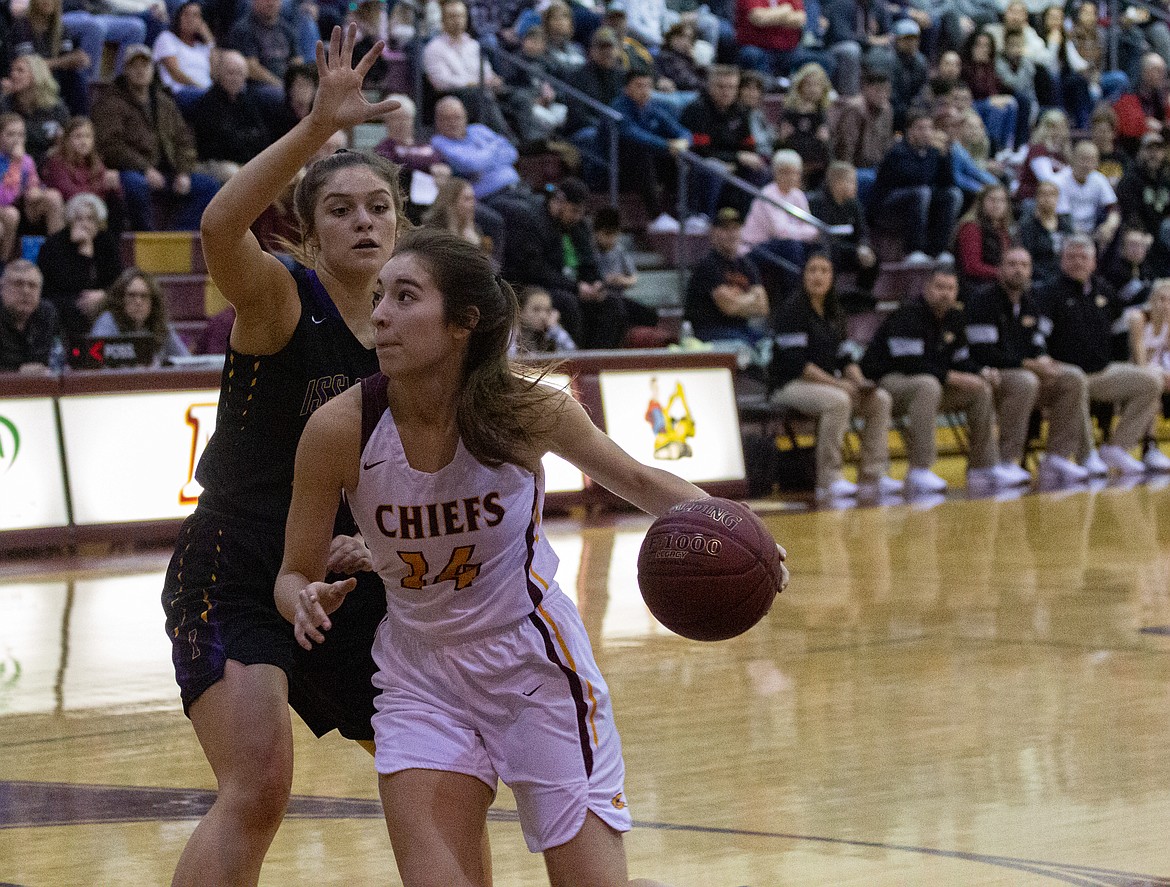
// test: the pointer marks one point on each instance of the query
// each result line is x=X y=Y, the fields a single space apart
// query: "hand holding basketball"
x=709 y=569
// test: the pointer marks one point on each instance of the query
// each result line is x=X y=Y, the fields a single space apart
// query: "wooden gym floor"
x=957 y=693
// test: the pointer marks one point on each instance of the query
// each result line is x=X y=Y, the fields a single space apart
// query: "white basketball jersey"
x=461 y=551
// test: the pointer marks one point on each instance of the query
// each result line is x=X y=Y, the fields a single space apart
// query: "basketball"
x=709 y=569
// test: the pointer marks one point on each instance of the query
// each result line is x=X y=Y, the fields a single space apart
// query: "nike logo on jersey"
x=533 y=690
x=317 y=319
x=367 y=466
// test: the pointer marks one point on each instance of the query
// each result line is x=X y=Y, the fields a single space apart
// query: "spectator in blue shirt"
x=648 y=137
x=482 y=156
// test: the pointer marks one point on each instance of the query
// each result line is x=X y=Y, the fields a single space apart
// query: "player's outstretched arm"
x=578 y=440
x=327 y=463
x=259 y=286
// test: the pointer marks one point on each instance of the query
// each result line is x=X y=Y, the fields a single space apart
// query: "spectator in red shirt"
x=984 y=236
x=1147 y=107
x=769 y=35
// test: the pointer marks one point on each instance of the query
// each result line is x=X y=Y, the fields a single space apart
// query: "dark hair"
x=179 y=14
x=634 y=73
x=93 y=162
x=319 y=172
x=292 y=72
x=834 y=316
x=874 y=76
x=157 y=323
x=607 y=218
x=751 y=78
x=501 y=411
x=572 y=189
x=914 y=115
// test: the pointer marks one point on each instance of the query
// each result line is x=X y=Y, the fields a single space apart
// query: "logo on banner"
x=201 y=419
x=9 y=443
x=672 y=424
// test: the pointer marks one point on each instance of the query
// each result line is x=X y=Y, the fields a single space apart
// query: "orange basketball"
x=709 y=569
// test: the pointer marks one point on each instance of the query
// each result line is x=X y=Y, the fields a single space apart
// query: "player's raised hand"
x=314 y=604
x=339 y=103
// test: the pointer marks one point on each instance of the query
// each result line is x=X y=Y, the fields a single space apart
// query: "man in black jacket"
x=29 y=328
x=1083 y=311
x=1007 y=332
x=920 y=355
x=549 y=244
x=227 y=120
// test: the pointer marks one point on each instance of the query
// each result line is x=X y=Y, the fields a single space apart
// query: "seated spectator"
x=601 y=78
x=915 y=192
x=453 y=67
x=1129 y=272
x=1144 y=197
x=30 y=332
x=920 y=355
x=1042 y=232
x=751 y=97
x=476 y=153
x=725 y=299
x=676 y=60
x=1112 y=161
x=984 y=236
x=1017 y=74
x=648 y=137
x=832 y=26
x=39 y=31
x=770 y=37
x=1147 y=107
x=836 y=204
x=35 y=97
x=770 y=235
x=566 y=55
x=77 y=265
x=399 y=147
x=226 y=120
x=803 y=124
x=1048 y=153
x=530 y=102
x=183 y=54
x=372 y=22
x=1000 y=111
x=862 y=131
x=454 y=211
x=1005 y=330
x=607 y=318
x=635 y=55
x=720 y=130
x=74 y=167
x=540 y=331
x=135 y=304
x=269 y=43
x=142 y=135
x=20 y=186
x=1083 y=310
x=1086 y=196
x=949 y=127
x=300 y=88
x=1086 y=78
x=93 y=29
x=1149 y=342
x=812 y=372
x=909 y=71
x=549 y=245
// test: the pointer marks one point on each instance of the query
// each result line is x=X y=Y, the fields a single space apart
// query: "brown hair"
x=309 y=189
x=976 y=214
x=502 y=410
x=157 y=324
x=92 y=163
x=442 y=212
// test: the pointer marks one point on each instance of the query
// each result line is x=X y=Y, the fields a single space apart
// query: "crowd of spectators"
x=969 y=139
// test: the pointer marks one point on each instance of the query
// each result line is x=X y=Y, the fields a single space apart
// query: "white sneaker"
x=887 y=485
x=698 y=224
x=945 y=258
x=918 y=257
x=1012 y=475
x=1062 y=470
x=838 y=489
x=1121 y=461
x=983 y=479
x=1156 y=460
x=923 y=480
x=664 y=224
x=1094 y=464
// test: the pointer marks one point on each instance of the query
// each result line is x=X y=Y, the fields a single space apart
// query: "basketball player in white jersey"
x=485 y=669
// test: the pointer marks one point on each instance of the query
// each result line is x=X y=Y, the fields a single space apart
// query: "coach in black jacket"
x=1083 y=311
x=1008 y=333
x=920 y=355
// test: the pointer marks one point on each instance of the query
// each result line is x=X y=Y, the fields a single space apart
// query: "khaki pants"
x=1137 y=390
x=1064 y=397
x=833 y=408
x=920 y=398
x=1015 y=398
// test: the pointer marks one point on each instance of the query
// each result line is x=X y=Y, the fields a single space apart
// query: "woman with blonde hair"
x=36 y=97
x=42 y=28
x=803 y=123
x=1048 y=153
x=454 y=211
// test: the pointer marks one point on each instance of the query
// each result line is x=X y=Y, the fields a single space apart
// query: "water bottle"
x=686 y=335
